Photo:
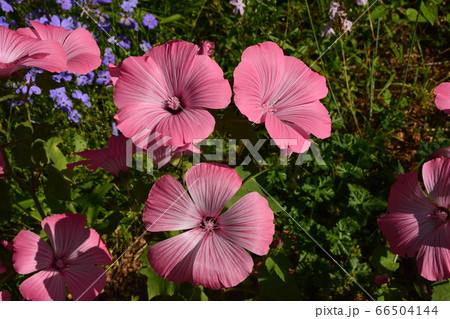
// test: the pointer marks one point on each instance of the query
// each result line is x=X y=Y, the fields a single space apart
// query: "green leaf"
x=57 y=157
x=382 y=259
x=79 y=143
x=378 y=13
x=272 y=266
x=429 y=12
x=412 y=15
x=7 y=97
x=172 y=18
x=441 y=291
x=57 y=186
x=157 y=286
x=39 y=152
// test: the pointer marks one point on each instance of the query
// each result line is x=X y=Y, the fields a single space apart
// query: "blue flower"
x=115 y=131
x=129 y=5
x=57 y=93
x=127 y=21
x=3 y=22
x=149 y=21
x=103 y=77
x=66 y=76
x=83 y=80
x=125 y=42
x=6 y=7
x=103 y=22
x=83 y=97
x=108 y=57
x=65 y=4
x=145 y=46
x=74 y=116
x=57 y=21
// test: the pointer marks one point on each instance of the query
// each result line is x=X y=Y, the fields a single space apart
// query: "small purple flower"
x=125 y=42
x=57 y=21
x=65 y=4
x=108 y=57
x=334 y=7
x=115 y=131
x=58 y=93
x=128 y=22
x=34 y=89
x=238 y=7
x=112 y=40
x=3 y=22
x=83 y=97
x=327 y=31
x=145 y=46
x=74 y=116
x=83 y=80
x=66 y=76
x=347 y=25
x=103 y=77
x=361 y=2
x=30 y=76
x=149 y=21
x=103 y=22
x=6 y=7
x=129 y=5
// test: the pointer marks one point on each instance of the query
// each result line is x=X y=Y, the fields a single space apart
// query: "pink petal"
x=442 y=92
x=46 y=285
x=173 y=258
x=92 y=251
x=220 y=263
x=249 y=223
x=85 y=282
x=211 y=187
x=257 y=77
x=408 y=197
x=286 y=135
x=206 y=86
x=436 y=177
x=407 y=232
x=169 y=207
x=31 y=253
x=433 y=259
x=66 y=232
x=186 y=126
x=312 y=117
x=5 y=296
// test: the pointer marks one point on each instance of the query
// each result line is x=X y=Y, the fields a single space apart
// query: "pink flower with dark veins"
x=71 y=260
x=283 y=93
x=213 y=252
x=419 y=222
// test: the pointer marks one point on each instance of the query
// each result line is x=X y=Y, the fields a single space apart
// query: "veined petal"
x=408 y=197
x=173 y=258
x=406 y=232
x=433 y=259
x=46 y=285
x=220 y=263
x=211 y=187
x=286 y=135
x=92 y=251
x=436 y=177
x=83 y=53
x=5 y=296
x=249 y=223
x=85 y=282
x=169 y=207
x=31 y=253
x=442 y=92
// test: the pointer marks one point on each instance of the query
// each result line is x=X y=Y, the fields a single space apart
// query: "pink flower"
x=5 y=296
x=76 y=251
x=2 y=166
x=213 y=253
x=18 y=51
x=284 y=93
x=82 y=52
x=7 y=245
x=113 y=158
x=165 y=92
x=418 y=223
x=442 y=92
x=207 y=48
x=239 y=7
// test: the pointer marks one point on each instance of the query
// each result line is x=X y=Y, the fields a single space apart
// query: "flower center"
x=269 y=108
x=442 y=214
x=59 y=263
x=173 y=105
x=209 y=224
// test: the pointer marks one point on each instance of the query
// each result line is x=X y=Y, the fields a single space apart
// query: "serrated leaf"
x=79 y=142
x=441 y=291
x=383 y=259
x=157 y=286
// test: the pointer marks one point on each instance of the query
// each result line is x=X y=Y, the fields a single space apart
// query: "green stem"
x=372 y=80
